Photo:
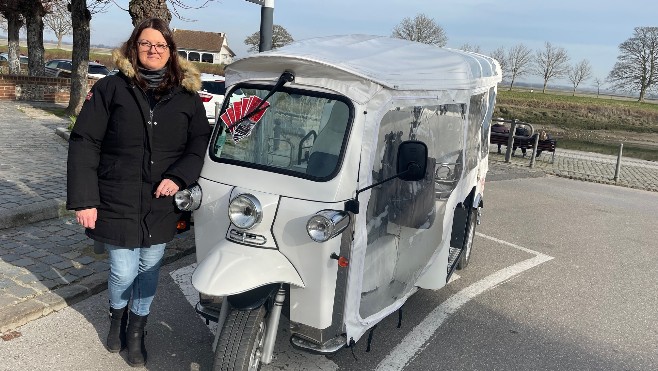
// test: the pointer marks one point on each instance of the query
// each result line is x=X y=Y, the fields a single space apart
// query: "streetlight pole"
x=266 y=23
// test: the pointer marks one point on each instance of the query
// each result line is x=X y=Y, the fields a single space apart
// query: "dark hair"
x=174 y=74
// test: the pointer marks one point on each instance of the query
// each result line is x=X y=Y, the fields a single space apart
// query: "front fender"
x=231 y=269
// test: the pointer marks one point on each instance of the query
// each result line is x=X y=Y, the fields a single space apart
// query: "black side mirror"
x=412 y=160
x=411 y=166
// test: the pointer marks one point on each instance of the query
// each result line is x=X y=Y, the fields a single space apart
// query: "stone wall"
x=37 y=89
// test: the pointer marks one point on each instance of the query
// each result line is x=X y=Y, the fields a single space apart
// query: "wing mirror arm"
x=411 y=166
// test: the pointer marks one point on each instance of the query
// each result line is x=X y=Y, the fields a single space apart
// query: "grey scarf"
x=153 y=78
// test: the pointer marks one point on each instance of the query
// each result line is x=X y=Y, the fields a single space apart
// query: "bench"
x=547 y=145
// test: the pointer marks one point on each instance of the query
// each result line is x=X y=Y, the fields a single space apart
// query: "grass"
x=578 y=113
x=629 y=150
x=587 y=122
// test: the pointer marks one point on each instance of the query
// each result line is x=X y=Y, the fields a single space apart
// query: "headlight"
x=245 y=211
x=327 y=224
x=188 y=199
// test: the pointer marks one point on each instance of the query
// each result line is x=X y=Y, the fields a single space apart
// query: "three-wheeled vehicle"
x=349 y=175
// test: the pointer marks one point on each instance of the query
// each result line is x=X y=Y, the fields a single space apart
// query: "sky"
x=587 y=29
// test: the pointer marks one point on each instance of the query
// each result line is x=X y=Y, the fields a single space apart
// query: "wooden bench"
x=547 y=145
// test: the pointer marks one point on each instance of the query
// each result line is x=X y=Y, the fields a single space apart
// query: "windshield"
x=101 y=70
x=301 y=133
x=214 y=87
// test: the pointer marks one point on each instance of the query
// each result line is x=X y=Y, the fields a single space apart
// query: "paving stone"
x=23 y=262
x=51 y=259
x=50 y=284
x=85 y=260
x=39 y=267
x=71 y=254
x=9 y=258
x=63 y=264
x=51 y=274
x=28 y=278
x=20 y=291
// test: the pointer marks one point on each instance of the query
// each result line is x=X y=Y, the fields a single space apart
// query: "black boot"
x=116 y=338
x=135 y=339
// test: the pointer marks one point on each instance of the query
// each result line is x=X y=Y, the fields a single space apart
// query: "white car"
x=21 y=58
x=212 y=92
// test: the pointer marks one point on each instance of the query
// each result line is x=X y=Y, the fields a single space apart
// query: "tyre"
x=468 y=240
x=240 y=344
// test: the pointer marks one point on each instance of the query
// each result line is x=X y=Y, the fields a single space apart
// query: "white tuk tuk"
x=350 y=174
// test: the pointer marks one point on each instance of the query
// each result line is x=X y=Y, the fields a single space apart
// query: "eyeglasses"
x=146 y=45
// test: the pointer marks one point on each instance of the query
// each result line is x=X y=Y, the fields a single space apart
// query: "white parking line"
x=416 y=340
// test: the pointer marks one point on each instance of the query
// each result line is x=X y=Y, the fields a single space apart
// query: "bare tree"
x=636 y=69
x=59 y=20
x=579 y=73
x=80 y=19
x=499 y=54
x=551 y=62
x=280 y=37
x=422 y=29
x=140 y=9
x=33 y=11
x=519 y=61
x=598 y=83
x=3 y=23
x=11 y=11
x=471 y=48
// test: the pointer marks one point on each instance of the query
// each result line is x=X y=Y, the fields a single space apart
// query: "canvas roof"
x=393 y=63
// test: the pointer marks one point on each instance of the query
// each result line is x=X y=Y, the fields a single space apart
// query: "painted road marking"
x=415 y=341
x=285 y=357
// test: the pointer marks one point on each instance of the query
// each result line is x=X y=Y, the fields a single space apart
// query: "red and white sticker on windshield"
x=233 y=116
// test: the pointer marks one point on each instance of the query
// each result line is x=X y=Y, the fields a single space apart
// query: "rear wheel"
x=468 y=241
x=240 y=344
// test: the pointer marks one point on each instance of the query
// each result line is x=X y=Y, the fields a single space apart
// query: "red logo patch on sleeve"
x=89 y=95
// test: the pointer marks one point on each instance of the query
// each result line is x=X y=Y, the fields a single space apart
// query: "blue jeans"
x=134 y=274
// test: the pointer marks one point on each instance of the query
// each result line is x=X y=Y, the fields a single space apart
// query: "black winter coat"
x=120 y=150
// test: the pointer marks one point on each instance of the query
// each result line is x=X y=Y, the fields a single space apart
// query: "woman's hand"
x=87 y=217
x=166 y=188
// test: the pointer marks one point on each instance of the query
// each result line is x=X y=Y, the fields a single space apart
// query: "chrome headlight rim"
x=189 y=199
x=327 y=224
x=245 y=211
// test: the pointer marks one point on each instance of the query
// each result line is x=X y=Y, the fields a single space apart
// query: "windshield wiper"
x=286 y=76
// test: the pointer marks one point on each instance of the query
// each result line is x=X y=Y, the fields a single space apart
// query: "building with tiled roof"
x=201 y=46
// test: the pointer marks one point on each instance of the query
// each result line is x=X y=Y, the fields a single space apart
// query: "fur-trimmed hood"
x=191 y=76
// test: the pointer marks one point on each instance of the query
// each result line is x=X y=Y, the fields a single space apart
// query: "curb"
x=36 y=212
x=64 y=133
x=19 y=314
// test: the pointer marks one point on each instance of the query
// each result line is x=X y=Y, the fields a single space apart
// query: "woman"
x=140 y=137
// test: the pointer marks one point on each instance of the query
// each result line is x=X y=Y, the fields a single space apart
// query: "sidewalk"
x=587 y=166
x=47 y=263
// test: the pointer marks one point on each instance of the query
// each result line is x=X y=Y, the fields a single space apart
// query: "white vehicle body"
x=373 y=92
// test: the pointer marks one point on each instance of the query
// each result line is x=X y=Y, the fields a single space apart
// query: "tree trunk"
x=59 y=41
x=34 y=21
x=80 y=19
x=140 y=9
x=14 y=25
x=545 y=83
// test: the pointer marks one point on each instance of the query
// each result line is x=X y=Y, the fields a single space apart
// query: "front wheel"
x=468 y=241
x=240 y=344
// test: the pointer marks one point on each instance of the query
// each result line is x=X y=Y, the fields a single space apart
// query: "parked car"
x=63 y=67
x=5 y=57
x=212 y=92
